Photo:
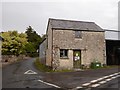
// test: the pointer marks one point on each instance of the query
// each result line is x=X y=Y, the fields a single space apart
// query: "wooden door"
x=76 y=58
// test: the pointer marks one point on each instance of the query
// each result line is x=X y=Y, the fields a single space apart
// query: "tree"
x=14 y=43
x=33 y=37
x=30 y=49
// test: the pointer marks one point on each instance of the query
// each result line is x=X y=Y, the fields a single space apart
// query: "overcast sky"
x=19 y=15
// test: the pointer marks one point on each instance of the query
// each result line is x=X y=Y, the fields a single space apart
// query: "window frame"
x=64 y=53
x=78 y=34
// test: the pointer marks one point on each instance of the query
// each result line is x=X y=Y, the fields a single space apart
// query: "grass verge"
x=42 y=67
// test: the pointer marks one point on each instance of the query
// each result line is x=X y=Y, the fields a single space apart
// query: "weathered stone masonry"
x=92 y=46
x=61 y=35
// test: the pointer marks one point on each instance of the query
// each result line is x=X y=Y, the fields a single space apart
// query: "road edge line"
x=50 y=84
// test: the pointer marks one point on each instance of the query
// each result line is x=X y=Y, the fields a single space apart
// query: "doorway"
x=113 y=52
x=76 y=58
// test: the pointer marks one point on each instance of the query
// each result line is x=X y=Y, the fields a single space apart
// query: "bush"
x=95 y=65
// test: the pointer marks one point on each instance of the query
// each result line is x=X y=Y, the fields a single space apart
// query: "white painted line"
x=113 y=77
x=79 y=87
x=30 y=72
x=105 y=77
x=109 y=76
x=108 y=79
x=86 y=84
x=102 y=82
x=100 y=79
x=49 y=84
x=118 y=76
x=93 y=81
x=115 y=73
x=95 y=85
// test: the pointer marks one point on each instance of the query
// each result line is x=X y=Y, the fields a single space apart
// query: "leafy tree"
x=33 y=37
x=30 y=48
x=14 y=43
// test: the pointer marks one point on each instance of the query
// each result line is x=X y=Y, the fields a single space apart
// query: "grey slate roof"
x=74 y=25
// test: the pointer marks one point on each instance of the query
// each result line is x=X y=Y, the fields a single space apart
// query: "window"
x=63 y=53
x=78 y=34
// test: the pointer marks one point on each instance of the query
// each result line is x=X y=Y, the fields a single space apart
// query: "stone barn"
x=71 y=44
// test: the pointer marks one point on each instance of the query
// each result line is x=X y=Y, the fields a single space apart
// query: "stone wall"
x=92 y=44
x=55 y=61
x=67 y=63
x=49 y=48
x=8 y=59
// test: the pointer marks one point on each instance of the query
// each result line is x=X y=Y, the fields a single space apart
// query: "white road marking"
x=30 y=72
x=86 y=84
x=95 y=85
x=108 y=79
x=99 y=79
x=79 y=87
x=49 y=84
x=105 y=77
x=115 y=73
x=93 y=81
x=102 y=82
x=118 y=76
x=113 y=77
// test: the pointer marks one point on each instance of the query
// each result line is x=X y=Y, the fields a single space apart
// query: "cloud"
x=19 y=15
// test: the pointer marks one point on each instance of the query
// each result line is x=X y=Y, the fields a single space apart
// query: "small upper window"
x=63 y=53
x=78 y=34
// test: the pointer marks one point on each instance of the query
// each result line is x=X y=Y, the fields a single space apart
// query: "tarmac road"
x=13 y=77
x=75 y=80
x=115 y=83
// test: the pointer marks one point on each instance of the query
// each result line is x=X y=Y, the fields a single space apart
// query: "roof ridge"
x=70 y=20
x=72 y=24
